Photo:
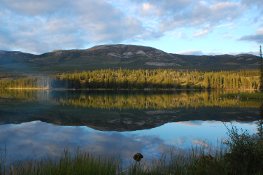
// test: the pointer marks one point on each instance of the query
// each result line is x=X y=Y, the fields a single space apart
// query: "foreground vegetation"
x=81 y=163
x=243 y=156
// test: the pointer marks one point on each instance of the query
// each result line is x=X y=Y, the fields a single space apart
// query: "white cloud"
x=178 y=13
x=32 y=7
x=191 y=52
x=147 y=7
x=201 y=143
x=260 y=31
x=47 y=25
x=40 y=26
x=202 y=32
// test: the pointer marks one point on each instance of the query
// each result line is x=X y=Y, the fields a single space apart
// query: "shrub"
x=245 y=154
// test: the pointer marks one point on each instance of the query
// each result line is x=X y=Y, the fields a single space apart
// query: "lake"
x=37 y=124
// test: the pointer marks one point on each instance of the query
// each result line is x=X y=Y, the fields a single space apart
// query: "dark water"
x=36 y=124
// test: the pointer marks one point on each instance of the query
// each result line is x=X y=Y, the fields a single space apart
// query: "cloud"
x=192 y=123
x=255 y=7
x=201 y=143
x=32 y=7
x=148 y=8
x=202 y=32
x=41 y=26
x=182 y=13
x=258 y=37
x=255 y=3
x=192 y=52
x=47 y=25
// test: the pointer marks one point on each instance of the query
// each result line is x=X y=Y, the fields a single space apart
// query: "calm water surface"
x=37 y=124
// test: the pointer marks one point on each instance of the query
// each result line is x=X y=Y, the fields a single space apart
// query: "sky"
x=175 y=26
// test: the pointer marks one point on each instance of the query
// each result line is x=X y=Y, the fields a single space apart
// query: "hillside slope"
x=119 y=56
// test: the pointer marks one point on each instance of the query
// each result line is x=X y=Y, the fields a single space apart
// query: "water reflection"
x=260 y=122
x=122 y=111
x=155 y=101
x=37 y=139
x=128 y=100
x=42 y=123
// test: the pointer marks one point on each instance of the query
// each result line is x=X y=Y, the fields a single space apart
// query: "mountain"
x=119 y=56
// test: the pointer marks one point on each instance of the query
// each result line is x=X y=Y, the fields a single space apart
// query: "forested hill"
x=119 y=56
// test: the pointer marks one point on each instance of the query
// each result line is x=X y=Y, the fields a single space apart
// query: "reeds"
x=68 y=164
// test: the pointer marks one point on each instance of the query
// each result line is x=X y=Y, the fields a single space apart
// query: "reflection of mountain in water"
x=122 y=112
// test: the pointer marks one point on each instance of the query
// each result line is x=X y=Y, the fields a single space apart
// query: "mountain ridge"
x=120 y=56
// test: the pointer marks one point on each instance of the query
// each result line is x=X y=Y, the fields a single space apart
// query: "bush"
x=245 y=154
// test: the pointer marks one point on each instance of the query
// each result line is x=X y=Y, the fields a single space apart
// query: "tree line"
x=19 y=83
x=142 y=79
x=161 y=78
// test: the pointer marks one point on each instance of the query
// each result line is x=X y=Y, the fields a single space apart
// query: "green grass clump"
x=79 y=164
x=191 y=163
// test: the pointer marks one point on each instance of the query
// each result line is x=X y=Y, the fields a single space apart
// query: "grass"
x=243 y=156
x=78 y=164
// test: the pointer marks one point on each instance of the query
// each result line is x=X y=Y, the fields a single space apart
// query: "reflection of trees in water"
x=28 y=95
x=24 y=95
x=260 y=122
x=132 y=101
x=156 y=101
x=261 y=70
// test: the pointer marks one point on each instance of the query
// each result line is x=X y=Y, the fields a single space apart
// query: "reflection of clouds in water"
x=192 y=123
x=201 y=143
x=38 y=139
x=179 y=141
